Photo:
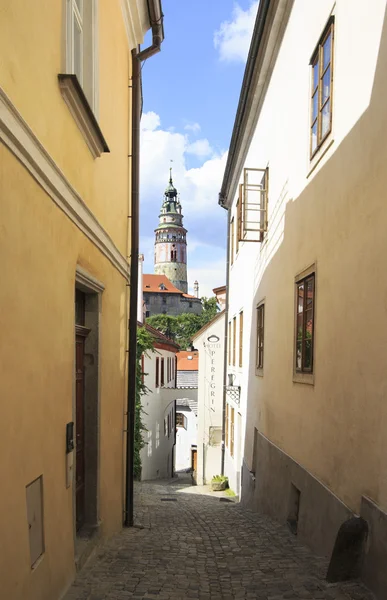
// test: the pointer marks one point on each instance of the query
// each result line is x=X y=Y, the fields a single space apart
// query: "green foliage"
x=144 y=346
x=182 y=328
x=219 y=478
x=230 y=492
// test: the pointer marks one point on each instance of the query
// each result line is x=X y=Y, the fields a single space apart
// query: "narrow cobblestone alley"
x=190 y=545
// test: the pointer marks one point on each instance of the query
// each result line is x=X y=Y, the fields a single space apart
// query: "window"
x=81 y=46
x=232 y=241
x=241 y=339
x=233 y=341
x=321 y=96
x=157 y=372
x=238 y=221
x=226 y=424
x=260 y=334
x=252 y=205
x=162 y=373
x=181 y=420
x=232 y=432
x=164 y=299
x=305 y=289
x=229 y=342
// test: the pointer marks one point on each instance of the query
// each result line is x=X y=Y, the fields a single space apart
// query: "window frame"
x=241 y=338
x=305 y=375
x=184 y=423
x=232 y=236
x=234 y=341
x=157 y=371
x=162 y=372
x=232 y=431
x=318 y=58
x=260 y=340
x=226 y=424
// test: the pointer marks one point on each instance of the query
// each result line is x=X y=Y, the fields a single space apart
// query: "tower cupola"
x=170 y=239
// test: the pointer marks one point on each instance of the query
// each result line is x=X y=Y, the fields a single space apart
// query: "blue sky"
x=191 y=91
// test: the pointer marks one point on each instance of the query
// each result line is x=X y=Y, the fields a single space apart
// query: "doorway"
x=86 y=406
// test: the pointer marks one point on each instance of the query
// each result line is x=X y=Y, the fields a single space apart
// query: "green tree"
x=145 y=345
x=182 y=328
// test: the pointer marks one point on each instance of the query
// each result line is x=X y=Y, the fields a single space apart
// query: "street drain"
x=168 y=499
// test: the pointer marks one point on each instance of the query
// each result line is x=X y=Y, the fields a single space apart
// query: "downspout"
x=156 y=20
x=134 y=223
x=225 y=343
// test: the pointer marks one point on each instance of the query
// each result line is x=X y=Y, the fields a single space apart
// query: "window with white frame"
x=81 y=46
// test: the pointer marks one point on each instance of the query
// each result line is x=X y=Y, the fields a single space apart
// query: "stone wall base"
x=285 y=491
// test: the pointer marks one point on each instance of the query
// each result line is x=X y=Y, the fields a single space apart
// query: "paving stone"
x=201 y=549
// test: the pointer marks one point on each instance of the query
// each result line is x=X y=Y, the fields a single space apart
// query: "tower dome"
x=170 y=240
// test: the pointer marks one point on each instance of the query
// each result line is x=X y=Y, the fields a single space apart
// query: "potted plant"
x=219 y=483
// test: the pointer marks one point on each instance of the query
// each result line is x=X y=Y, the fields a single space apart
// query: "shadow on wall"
x=318 y=433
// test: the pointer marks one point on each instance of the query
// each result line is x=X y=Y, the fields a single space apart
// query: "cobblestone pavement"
x=188 y=545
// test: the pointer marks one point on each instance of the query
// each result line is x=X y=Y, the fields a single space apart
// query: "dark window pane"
x=326 y=119
x=314 y=137
x=315 y=75
x=298 y=355
x=314 y=106
x=327 y=52
x=309 y=293
x=299 y=327
x=308 y=354
x=326 y=86
x=300 y=298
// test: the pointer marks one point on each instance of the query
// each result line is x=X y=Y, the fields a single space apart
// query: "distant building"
x=159 y=416
x=210 y=343
x=220 y=293
x=187 y=363
x=161 y=297
x=187 y=368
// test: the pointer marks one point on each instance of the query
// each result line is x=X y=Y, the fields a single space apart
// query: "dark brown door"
x=194 y=460
x=80 y=431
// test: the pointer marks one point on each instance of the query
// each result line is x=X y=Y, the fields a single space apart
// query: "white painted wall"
x=186 y=439
x=281 y=141
x=157 y=455
x=210 y=399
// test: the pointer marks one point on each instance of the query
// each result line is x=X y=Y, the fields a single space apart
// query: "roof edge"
x=207 y=325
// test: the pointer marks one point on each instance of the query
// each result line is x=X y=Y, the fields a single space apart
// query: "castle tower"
x=170 y=242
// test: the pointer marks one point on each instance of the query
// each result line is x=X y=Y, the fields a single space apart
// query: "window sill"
x=314 y=162
x=307 y=378
x=83 y=115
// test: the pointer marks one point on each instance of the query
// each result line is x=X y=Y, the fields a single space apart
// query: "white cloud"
x=198 y=189
x=232 y=39
x=209 y=276
x=150 y=121
x=200 y=148
x=194 y=127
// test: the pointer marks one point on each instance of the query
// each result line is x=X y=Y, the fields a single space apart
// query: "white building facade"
x=209 y=342
x=186 y=435
x=304 y=187
x=159 y=416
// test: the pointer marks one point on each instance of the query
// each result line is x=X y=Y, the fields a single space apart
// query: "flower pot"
x=218 y=486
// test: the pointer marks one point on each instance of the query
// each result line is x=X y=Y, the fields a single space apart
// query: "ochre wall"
x=40 y=249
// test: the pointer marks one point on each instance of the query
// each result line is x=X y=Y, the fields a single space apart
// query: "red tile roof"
x=187 y=364
x=151 y=283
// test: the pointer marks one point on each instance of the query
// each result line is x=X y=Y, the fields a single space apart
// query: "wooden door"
x=194 y=460
x=79 y=431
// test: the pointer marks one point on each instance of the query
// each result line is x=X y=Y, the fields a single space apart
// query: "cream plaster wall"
x=334 y=217
x=210 y=398
x=157 y=454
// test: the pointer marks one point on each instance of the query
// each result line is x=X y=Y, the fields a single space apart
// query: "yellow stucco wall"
x=40 y=249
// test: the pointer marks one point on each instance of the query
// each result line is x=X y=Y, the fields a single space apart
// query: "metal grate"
x=233 y=392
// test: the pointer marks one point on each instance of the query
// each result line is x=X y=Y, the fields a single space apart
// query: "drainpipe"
x=156 y=18
x=156 y=21
x=225 y=342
